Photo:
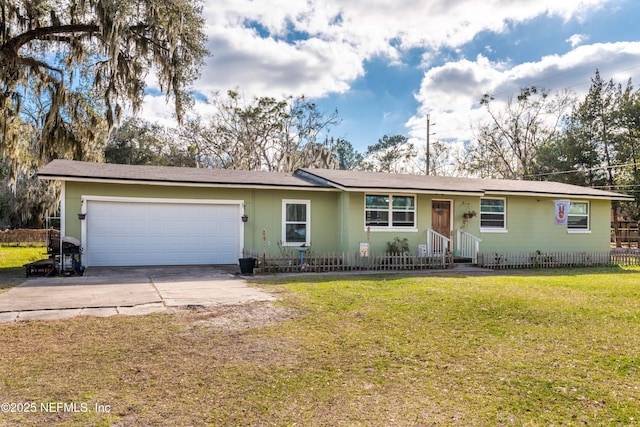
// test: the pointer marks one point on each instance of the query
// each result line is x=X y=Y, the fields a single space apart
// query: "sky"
x=384 y=64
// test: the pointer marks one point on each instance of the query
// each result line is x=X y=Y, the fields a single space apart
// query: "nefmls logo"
x=64 y=407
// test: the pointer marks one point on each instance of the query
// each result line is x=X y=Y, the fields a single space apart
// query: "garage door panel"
x=145 y=233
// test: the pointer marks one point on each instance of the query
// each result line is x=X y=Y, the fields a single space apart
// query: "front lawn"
x=528 y=348
x=12 y=259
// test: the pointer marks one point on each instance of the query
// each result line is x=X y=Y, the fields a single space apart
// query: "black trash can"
x=247 y=265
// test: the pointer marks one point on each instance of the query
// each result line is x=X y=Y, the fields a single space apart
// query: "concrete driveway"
x=129 y=291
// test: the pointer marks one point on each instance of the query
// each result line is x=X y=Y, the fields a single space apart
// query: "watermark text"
x=54 y=407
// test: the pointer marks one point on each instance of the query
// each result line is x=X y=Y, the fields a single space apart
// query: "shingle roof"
x=315 y=179
x=388 y=181
x=88 y=171
x=351 y=180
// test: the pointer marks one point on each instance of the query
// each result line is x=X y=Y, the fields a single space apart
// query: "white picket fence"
x=557 y=259
x=310 y=262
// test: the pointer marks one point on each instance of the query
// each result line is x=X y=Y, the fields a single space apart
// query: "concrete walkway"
x=130 y=291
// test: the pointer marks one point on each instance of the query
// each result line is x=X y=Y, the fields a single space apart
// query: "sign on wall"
x=561 y=212
x=422 y=250
x=364 y=250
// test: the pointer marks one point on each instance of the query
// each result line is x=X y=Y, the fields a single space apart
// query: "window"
x=492 y=214
x=296 y=217
x=384 y=210
x=578 y=218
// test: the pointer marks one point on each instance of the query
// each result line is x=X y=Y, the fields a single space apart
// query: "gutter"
x=621 y=197
x=180 y=183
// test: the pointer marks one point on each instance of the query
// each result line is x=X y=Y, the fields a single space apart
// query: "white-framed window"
x=296 y=222
x=578 y=217
x=493 y=214
x=389 y=211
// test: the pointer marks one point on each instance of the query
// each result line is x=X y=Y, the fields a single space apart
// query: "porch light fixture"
x=245 y=218
x=82 y=216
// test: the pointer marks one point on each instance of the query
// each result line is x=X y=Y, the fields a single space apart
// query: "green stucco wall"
x=530 y=227
x=337 y=219
x=263 y=207
x=355 y=231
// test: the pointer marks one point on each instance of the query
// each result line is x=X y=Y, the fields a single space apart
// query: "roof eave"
x=180 y=183
x=436 y=192
x=620 y=197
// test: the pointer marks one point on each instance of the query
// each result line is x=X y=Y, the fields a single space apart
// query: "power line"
x=580 y=170
x=617 y=186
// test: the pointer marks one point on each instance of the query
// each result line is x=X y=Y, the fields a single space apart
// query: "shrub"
x=398 y=246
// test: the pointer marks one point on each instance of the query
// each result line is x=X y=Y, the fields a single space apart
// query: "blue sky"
x=385 y=64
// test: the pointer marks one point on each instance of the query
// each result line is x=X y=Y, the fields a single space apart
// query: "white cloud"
x=451 y=93
x=338 y=36
x=265 y=66
x=318 y=47
x=577 y=39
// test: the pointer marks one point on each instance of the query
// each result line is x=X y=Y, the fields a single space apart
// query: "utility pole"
x=428 y=145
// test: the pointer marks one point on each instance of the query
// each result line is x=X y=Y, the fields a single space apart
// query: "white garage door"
x=123 y=233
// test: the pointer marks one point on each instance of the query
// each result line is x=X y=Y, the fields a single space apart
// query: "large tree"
x=599 y=142
x=390 y=154
x=262 y=133
x=347 y=156
x=586 y=151
x=139 y=142
x=599 y=146
x=628 y=120
x=506 y=145
x=68 y=66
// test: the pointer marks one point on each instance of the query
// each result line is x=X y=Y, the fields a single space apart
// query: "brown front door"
x=441 y=217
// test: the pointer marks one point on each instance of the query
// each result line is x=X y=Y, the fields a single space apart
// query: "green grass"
x=527 y=349
x=12 y=259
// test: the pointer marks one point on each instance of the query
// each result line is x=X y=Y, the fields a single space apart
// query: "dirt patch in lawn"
x=233 y=322
x=236 y=318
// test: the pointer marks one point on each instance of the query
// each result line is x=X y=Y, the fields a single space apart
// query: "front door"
x=441 y=217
